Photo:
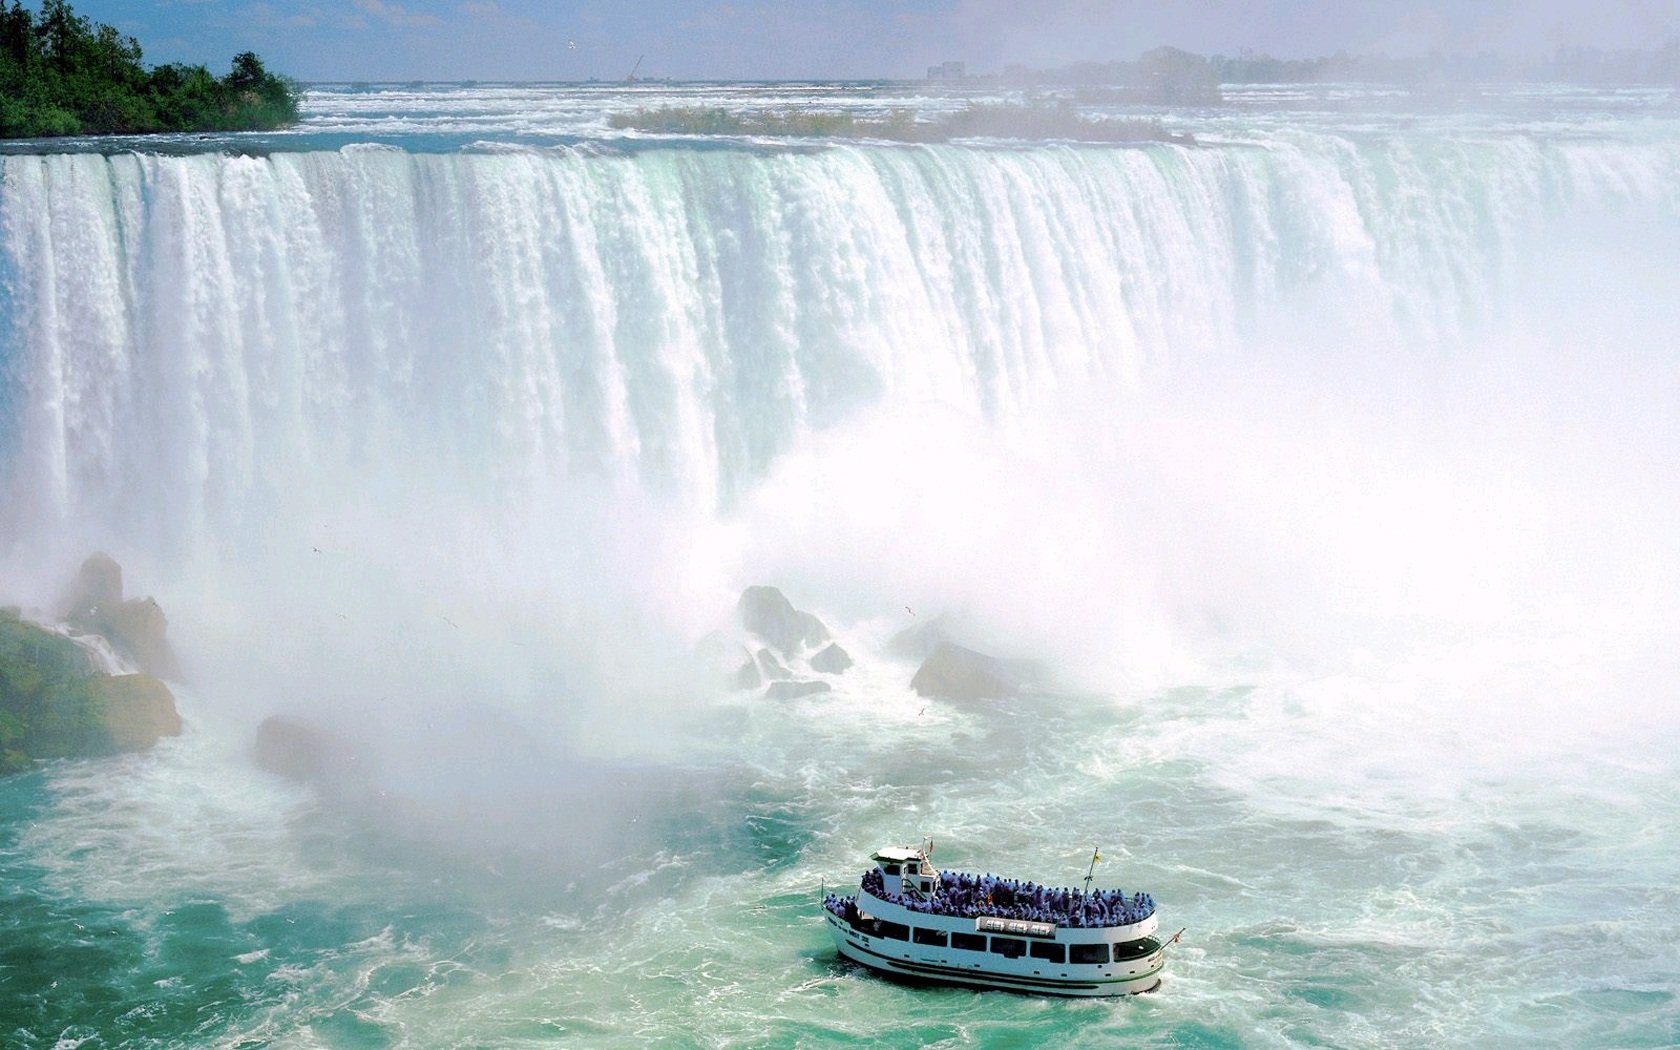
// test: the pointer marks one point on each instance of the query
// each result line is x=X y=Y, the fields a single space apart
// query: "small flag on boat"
x=1096 y=855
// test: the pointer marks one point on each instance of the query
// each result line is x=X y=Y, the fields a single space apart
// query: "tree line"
x=63 y=74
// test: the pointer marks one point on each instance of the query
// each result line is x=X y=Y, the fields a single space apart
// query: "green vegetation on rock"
x=54 y=704
x=61 y=74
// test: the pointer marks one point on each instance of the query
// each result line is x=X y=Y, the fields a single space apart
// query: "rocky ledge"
x=55 y=702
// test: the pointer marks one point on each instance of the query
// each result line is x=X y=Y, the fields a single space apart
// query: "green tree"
x=17 y=29
x=248 y=72
x=61 y=74
x=61 y=32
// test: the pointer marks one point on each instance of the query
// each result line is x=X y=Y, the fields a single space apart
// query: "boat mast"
x=1096 y=855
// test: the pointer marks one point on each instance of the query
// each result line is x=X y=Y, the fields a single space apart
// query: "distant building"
x=946 y=71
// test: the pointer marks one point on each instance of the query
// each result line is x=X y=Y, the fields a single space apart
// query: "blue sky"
x=562 y=40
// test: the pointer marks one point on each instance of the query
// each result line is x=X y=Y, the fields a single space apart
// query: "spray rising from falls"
x=566 y=359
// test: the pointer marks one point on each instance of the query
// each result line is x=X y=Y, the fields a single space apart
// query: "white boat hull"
x=982 y=969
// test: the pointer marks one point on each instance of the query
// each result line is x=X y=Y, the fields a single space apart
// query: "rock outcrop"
x=952 y=672
x=54 y=703
x=98 y=585
x=747 y=676
x=136 y=710
x=136 y=628
x=831 y=660
x=772 y=669
x=787 y=646
x=794 y=690
x=766 y=612
x=919 y=641
x=296 y=750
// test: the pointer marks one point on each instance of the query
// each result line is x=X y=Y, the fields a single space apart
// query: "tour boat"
x=911 y=920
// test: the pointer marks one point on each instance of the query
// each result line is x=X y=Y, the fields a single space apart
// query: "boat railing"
x=961 y=895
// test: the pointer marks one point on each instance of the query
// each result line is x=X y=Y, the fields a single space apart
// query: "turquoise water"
x=1327 y=464
x=1460 y=920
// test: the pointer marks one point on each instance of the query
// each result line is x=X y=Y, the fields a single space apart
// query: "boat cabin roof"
x=896 y=854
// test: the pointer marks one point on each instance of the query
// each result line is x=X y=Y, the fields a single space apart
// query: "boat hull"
x=976 y=969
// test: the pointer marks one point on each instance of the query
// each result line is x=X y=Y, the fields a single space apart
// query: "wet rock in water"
x=919 y=641
x=772 y=669
x=98 y=585
x=55 y=704
x=794 y=690
x=766 y=612
x=296 y=750
x=748 y=676
x=136 y=710
x=952 y=672
x=832 y=660
x=32 y=657
x=138 y=628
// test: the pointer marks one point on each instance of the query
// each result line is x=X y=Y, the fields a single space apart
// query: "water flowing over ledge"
x=196 y=339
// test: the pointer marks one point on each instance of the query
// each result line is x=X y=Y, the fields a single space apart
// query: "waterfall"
x=195 y=338
x=552 y=372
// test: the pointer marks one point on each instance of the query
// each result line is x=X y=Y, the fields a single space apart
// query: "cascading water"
x=1326 y=461
x=194 y=339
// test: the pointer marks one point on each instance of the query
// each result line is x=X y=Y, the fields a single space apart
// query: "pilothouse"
x=912 y=920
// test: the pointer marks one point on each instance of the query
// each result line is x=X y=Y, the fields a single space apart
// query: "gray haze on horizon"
x=537 y=40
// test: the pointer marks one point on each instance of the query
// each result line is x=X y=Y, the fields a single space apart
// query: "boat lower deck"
x=980 y=967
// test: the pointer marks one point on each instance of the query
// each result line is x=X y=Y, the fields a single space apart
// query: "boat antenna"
x=1096 y=855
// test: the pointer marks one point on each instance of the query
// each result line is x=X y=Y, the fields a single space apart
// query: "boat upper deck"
x=961 y=895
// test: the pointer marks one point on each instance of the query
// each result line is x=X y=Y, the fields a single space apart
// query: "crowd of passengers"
x=961 y=895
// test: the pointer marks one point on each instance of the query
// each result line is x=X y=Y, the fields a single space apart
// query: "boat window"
x=1135 y=949
x=1089 y=953
x=921 y=936
x=1048 y=951
x=1009 y=947
x=896 y=930
x=889 y=869
x=971 y=942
